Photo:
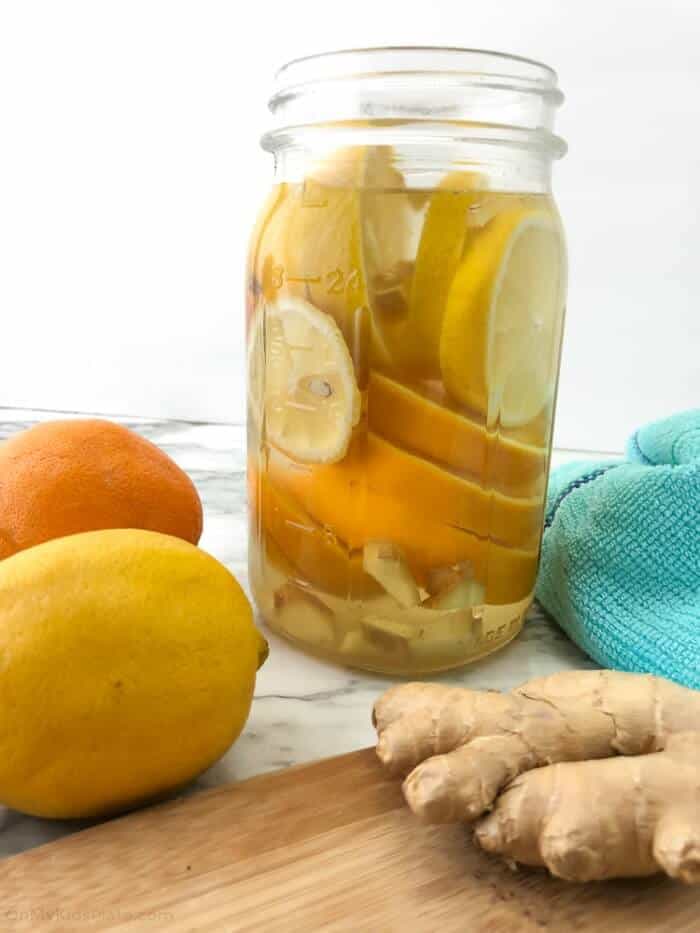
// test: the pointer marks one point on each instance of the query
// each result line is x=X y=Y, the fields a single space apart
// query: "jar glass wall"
x=405 y=303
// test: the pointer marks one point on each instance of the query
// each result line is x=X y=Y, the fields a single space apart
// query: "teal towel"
x=620 y=567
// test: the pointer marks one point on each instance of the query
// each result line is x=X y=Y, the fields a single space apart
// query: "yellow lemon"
x=502 y=324
x=129 y=662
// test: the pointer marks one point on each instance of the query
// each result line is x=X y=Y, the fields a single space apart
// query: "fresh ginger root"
x=590 y=820
x=583 y=818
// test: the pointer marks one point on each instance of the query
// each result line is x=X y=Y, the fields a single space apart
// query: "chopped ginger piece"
x=303 y=615
x=385 y=562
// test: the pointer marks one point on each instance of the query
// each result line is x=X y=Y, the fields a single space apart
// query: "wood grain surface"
x=327 y=846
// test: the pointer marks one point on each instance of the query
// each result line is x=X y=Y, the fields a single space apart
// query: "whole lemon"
x=127 y=667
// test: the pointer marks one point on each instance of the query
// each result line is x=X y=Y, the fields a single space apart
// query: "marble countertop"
x=303 y=709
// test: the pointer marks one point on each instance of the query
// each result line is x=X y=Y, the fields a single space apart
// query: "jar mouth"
x=426 y=84
x=483 y=65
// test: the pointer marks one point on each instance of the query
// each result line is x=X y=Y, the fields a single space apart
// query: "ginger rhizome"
x=541 y=748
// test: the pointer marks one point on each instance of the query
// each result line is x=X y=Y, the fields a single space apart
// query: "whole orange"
x=64 y=477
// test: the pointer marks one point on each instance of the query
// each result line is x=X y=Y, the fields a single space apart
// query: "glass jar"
x=405 y=302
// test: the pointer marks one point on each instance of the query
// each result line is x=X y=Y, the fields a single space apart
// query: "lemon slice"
x=409 y=299
x=440 y=250
x=316 y=244
x=389 y=232
x=302 y=388
x=502 y=323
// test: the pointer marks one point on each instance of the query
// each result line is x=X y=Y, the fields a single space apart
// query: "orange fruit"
x=313 y=553
x=508 y=574
x=336 y=495
x=373 y=495
x=410 y=418
x=65 y=477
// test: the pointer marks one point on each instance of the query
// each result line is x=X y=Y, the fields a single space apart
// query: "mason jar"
x=405 y=300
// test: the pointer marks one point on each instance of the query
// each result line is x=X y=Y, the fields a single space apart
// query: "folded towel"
x=620 y=567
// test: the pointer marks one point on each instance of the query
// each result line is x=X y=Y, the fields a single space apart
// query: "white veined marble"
x=304 y=708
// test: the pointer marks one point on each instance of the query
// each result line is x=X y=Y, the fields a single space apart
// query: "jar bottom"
x=386 y=667
x=378 y=635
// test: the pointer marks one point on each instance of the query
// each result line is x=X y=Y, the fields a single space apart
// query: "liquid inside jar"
x=403 y=348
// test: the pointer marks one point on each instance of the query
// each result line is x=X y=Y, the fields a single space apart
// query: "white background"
x=130 y=173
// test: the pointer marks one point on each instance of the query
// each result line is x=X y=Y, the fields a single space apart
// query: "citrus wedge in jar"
x=341 y=241
x=410 y=308
x=380 y=493
x=307 y=551
x=500 y=335
x=390 y=223
x=421 y=420
x=302 y=390
x=377 y=479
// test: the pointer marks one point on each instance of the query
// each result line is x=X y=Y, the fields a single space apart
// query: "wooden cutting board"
x=326 y=846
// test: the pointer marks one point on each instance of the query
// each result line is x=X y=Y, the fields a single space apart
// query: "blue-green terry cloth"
x=620 y=566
